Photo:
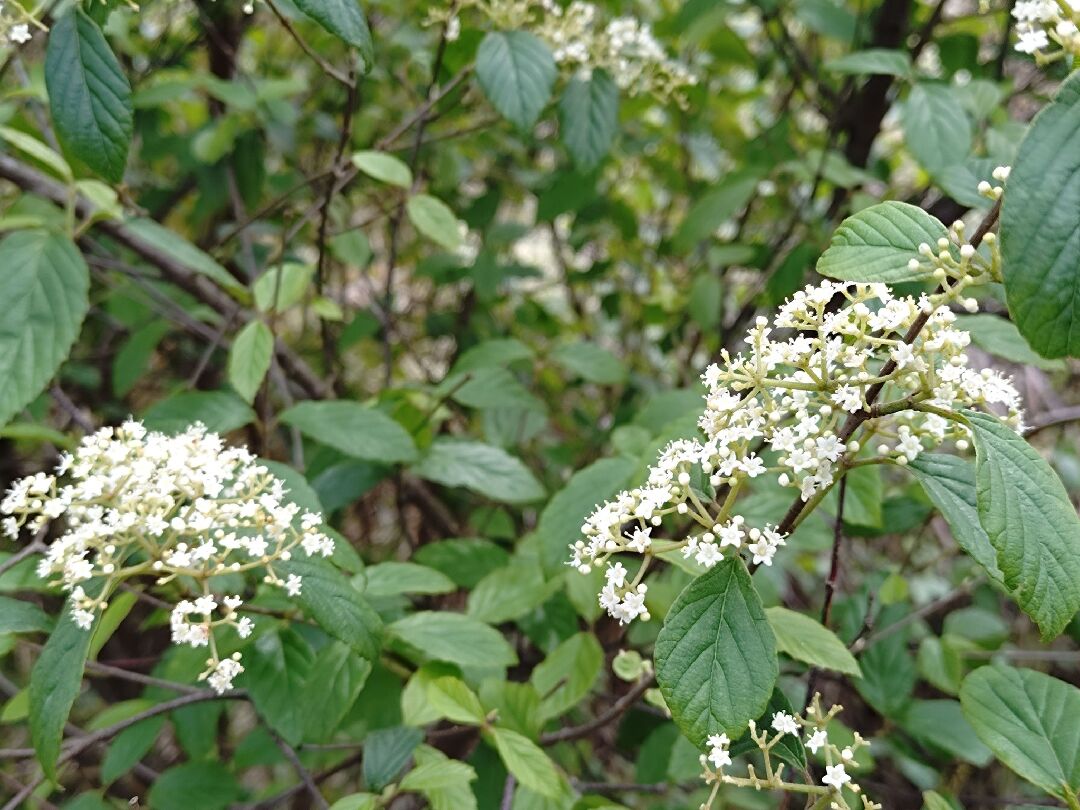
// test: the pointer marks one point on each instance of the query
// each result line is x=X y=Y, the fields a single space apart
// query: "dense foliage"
x=539 y=405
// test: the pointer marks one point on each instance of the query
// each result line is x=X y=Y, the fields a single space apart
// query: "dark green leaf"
x=590 y=118
x=790 y=748
x=487 y=470
x=516 y=71
x=345 y=19
x=205 y=785
x=716 y=655
x=276 y=678
x=385 y=753
x=89 y=95
x=17 y=616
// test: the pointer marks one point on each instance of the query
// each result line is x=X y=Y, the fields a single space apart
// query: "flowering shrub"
x=539 y=405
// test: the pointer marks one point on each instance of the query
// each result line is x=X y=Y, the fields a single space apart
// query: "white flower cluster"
x=1038 y=22
x=184 y=508
x=581 y=41
x=780 y=409
x=835 y=780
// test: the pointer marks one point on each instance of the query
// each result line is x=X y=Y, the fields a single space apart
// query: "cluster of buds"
x=809 y=731
x=582 y=41
x=994 y=192
x=779 y=410
x=180 y=509
x=1040 y=22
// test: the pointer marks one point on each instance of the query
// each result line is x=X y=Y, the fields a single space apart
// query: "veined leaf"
x=806 y=640
x=344 y=19
x=589 y=111
x=877 y=243
x=516 y=71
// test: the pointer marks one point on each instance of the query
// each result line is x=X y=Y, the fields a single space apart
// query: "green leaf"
x=455 y=701
x=220 y=411
x=1028 y=720
x=560 y=522
x=453 y=637
x=385 y=753
x=394 y=578
x=37 y=150
x=384 y=167
x=527 y=762
x=509 y=593
x=590 y=362
x=937 y=130
x=872 y=62
x=516 y=72
x=357 y=801
x=129 y=747
x=718 y=205
x=950 y=483
x=337 y=607
x=336 y=679
x=1030 y=521
x=590 y=118
x=434 y=219
x=44 y=287
x=344 y=19
x=444 y=782
x=206 y=785
x=180 y=249
x=790 y=748
x=889 y=674
x=941 y=724
x=490 y=388
x=354 y=429
x=466 y=561
x=877 y=243
x=932 y=800
x=276 y=674
x=54 y=684
x=435 y=775
x=89 y=95
x=249 y=359
x=1040 y=228
x=282 y=287
x=863 y=497
x=806 y=640
x=567 y=674
x=716 y=654
x=1000 y=336
x=487 y=470
x=17 y=616
x=492 y=354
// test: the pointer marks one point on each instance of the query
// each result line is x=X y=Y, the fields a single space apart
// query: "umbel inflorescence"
x=778 y=410
x=181 y=510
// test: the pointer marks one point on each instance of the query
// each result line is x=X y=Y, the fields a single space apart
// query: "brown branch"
x=305 y=776
x=617 y=709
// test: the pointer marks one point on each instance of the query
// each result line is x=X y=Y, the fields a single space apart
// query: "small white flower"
x=835 y=777
x=818 y=739
x=785 y=723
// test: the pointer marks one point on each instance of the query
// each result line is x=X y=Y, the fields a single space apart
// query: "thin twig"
x=620 y=707
x=305 y=776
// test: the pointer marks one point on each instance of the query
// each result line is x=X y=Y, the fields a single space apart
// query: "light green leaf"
x=1028 y=720
x=34 y=148
x=932 y=800
x=249 y=359
x=344 y=19
x=220 y=411
x=44 y=287
x=54 y=684
x=384 y=167
x=354 y=429
x=950 y=483
x=937 y=130
x=89 y=95
x=877 y=243
x=455 y=701
x=487 y=470
x=567 y=674
x=872 y=62
x=1030 y=521
x=490 y=388
x=276 y=674
x=527 y=762
x=806 y=640
x=434 y=219
x=590 y=118
x=590 y=362
x=516 y=72
x=716 y=654
x=509 y=593
x=435 y=775
x=497 y=353
x=393 y=578
x=17 y=616
x=179 y=248
x=357 y=801
x=328 y=597
x=721 y=203
x=282 y=287
x=455 y=638
x=863 y=497
x=1000 y=336
x=1040 y=229
x=445 y=788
